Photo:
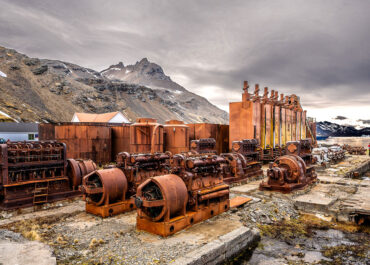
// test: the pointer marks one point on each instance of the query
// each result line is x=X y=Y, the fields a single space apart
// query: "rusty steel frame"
x=33 y=173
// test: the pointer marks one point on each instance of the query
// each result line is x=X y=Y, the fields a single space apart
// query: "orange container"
x=176 y=137
x=146 y=136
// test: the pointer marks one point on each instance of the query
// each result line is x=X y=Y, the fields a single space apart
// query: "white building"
x=111 y=117
x=19 y=131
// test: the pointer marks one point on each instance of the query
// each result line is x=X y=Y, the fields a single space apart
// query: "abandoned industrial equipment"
x=174 y=174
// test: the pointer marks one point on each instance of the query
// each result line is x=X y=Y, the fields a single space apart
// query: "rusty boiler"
x=109 y=191
x=176 y=137
x=33 y=173
x=244 y=161
x=146 y=136
x=193 y=192
x=291 y=172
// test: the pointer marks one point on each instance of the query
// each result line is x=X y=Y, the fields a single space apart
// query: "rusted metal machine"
x=203 y=146
x=33 y=173
x=109 y=191
x=146 y=136
x=303 y=149
x=292 y=171
x=193 y=192
x=336 y=153
x=176 y=137
x=287 y=173
x=354 y=150
x=243 y=162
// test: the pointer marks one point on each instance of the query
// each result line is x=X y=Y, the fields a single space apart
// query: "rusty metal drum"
x=78 y=168
x=104 y=186
x=162 y=197
x=176 y=137
x=146 y=136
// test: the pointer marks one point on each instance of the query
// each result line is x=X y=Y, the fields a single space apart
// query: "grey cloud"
x=340 y=118
x=315 y=49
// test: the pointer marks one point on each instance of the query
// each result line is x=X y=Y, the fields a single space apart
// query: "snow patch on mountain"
x=3 y=74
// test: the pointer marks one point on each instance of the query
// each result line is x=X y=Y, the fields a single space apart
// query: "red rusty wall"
x=219 y=132
x=120 y=139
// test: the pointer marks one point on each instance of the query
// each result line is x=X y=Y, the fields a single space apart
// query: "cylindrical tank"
x=146 y=136
x=104 y=186
x=176 y=135
x=77 y=169
x=162 y=196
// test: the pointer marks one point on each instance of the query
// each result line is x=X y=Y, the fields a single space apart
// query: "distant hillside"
x=49 y=90
x=332 y=129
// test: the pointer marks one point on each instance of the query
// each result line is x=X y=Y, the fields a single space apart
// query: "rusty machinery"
x=270 y=119
x=336 y=153
x=193 y=192
x=109 y=191
x=303 y=149
x=203 y=146
x=354 y=150
x=34 y=173
x=292 y=171
x=243 y=162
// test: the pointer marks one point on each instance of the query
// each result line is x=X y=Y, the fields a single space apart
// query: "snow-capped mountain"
x=326 y=128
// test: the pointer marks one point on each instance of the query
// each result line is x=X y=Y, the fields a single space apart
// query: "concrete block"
x=314 y=202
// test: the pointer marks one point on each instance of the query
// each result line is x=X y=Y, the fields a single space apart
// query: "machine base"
x=111 y=209
x=181 y=222
x=287 y=187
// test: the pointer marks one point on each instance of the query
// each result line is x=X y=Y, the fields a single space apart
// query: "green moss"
x=342 y=253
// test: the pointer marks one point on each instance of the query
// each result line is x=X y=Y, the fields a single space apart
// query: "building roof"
x=93 y=117
x=18 y=127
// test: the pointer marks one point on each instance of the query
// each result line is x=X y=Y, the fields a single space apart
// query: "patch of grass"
x=342 y=253
x=285 y=230
x=313 y=222
x=302 y=227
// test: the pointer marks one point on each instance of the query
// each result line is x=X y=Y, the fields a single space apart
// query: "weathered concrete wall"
x=221 y=249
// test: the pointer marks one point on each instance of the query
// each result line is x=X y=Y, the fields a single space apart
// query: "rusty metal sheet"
x=239 y=201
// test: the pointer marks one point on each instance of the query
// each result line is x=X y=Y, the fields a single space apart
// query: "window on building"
x=31 y=136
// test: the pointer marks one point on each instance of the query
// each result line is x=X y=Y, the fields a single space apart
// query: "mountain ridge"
x=327 y=128
x=45 y=90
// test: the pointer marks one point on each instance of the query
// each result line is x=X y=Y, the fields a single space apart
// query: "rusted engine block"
x=286 y=174
x=34 y=173
x=193 y=192
x=355 y=150
x=303 y=149
x=203 y=146
x=292 y=171
x=243 y=162
x=109 y=191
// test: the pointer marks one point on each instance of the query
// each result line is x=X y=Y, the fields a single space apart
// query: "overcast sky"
x=319 y=50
